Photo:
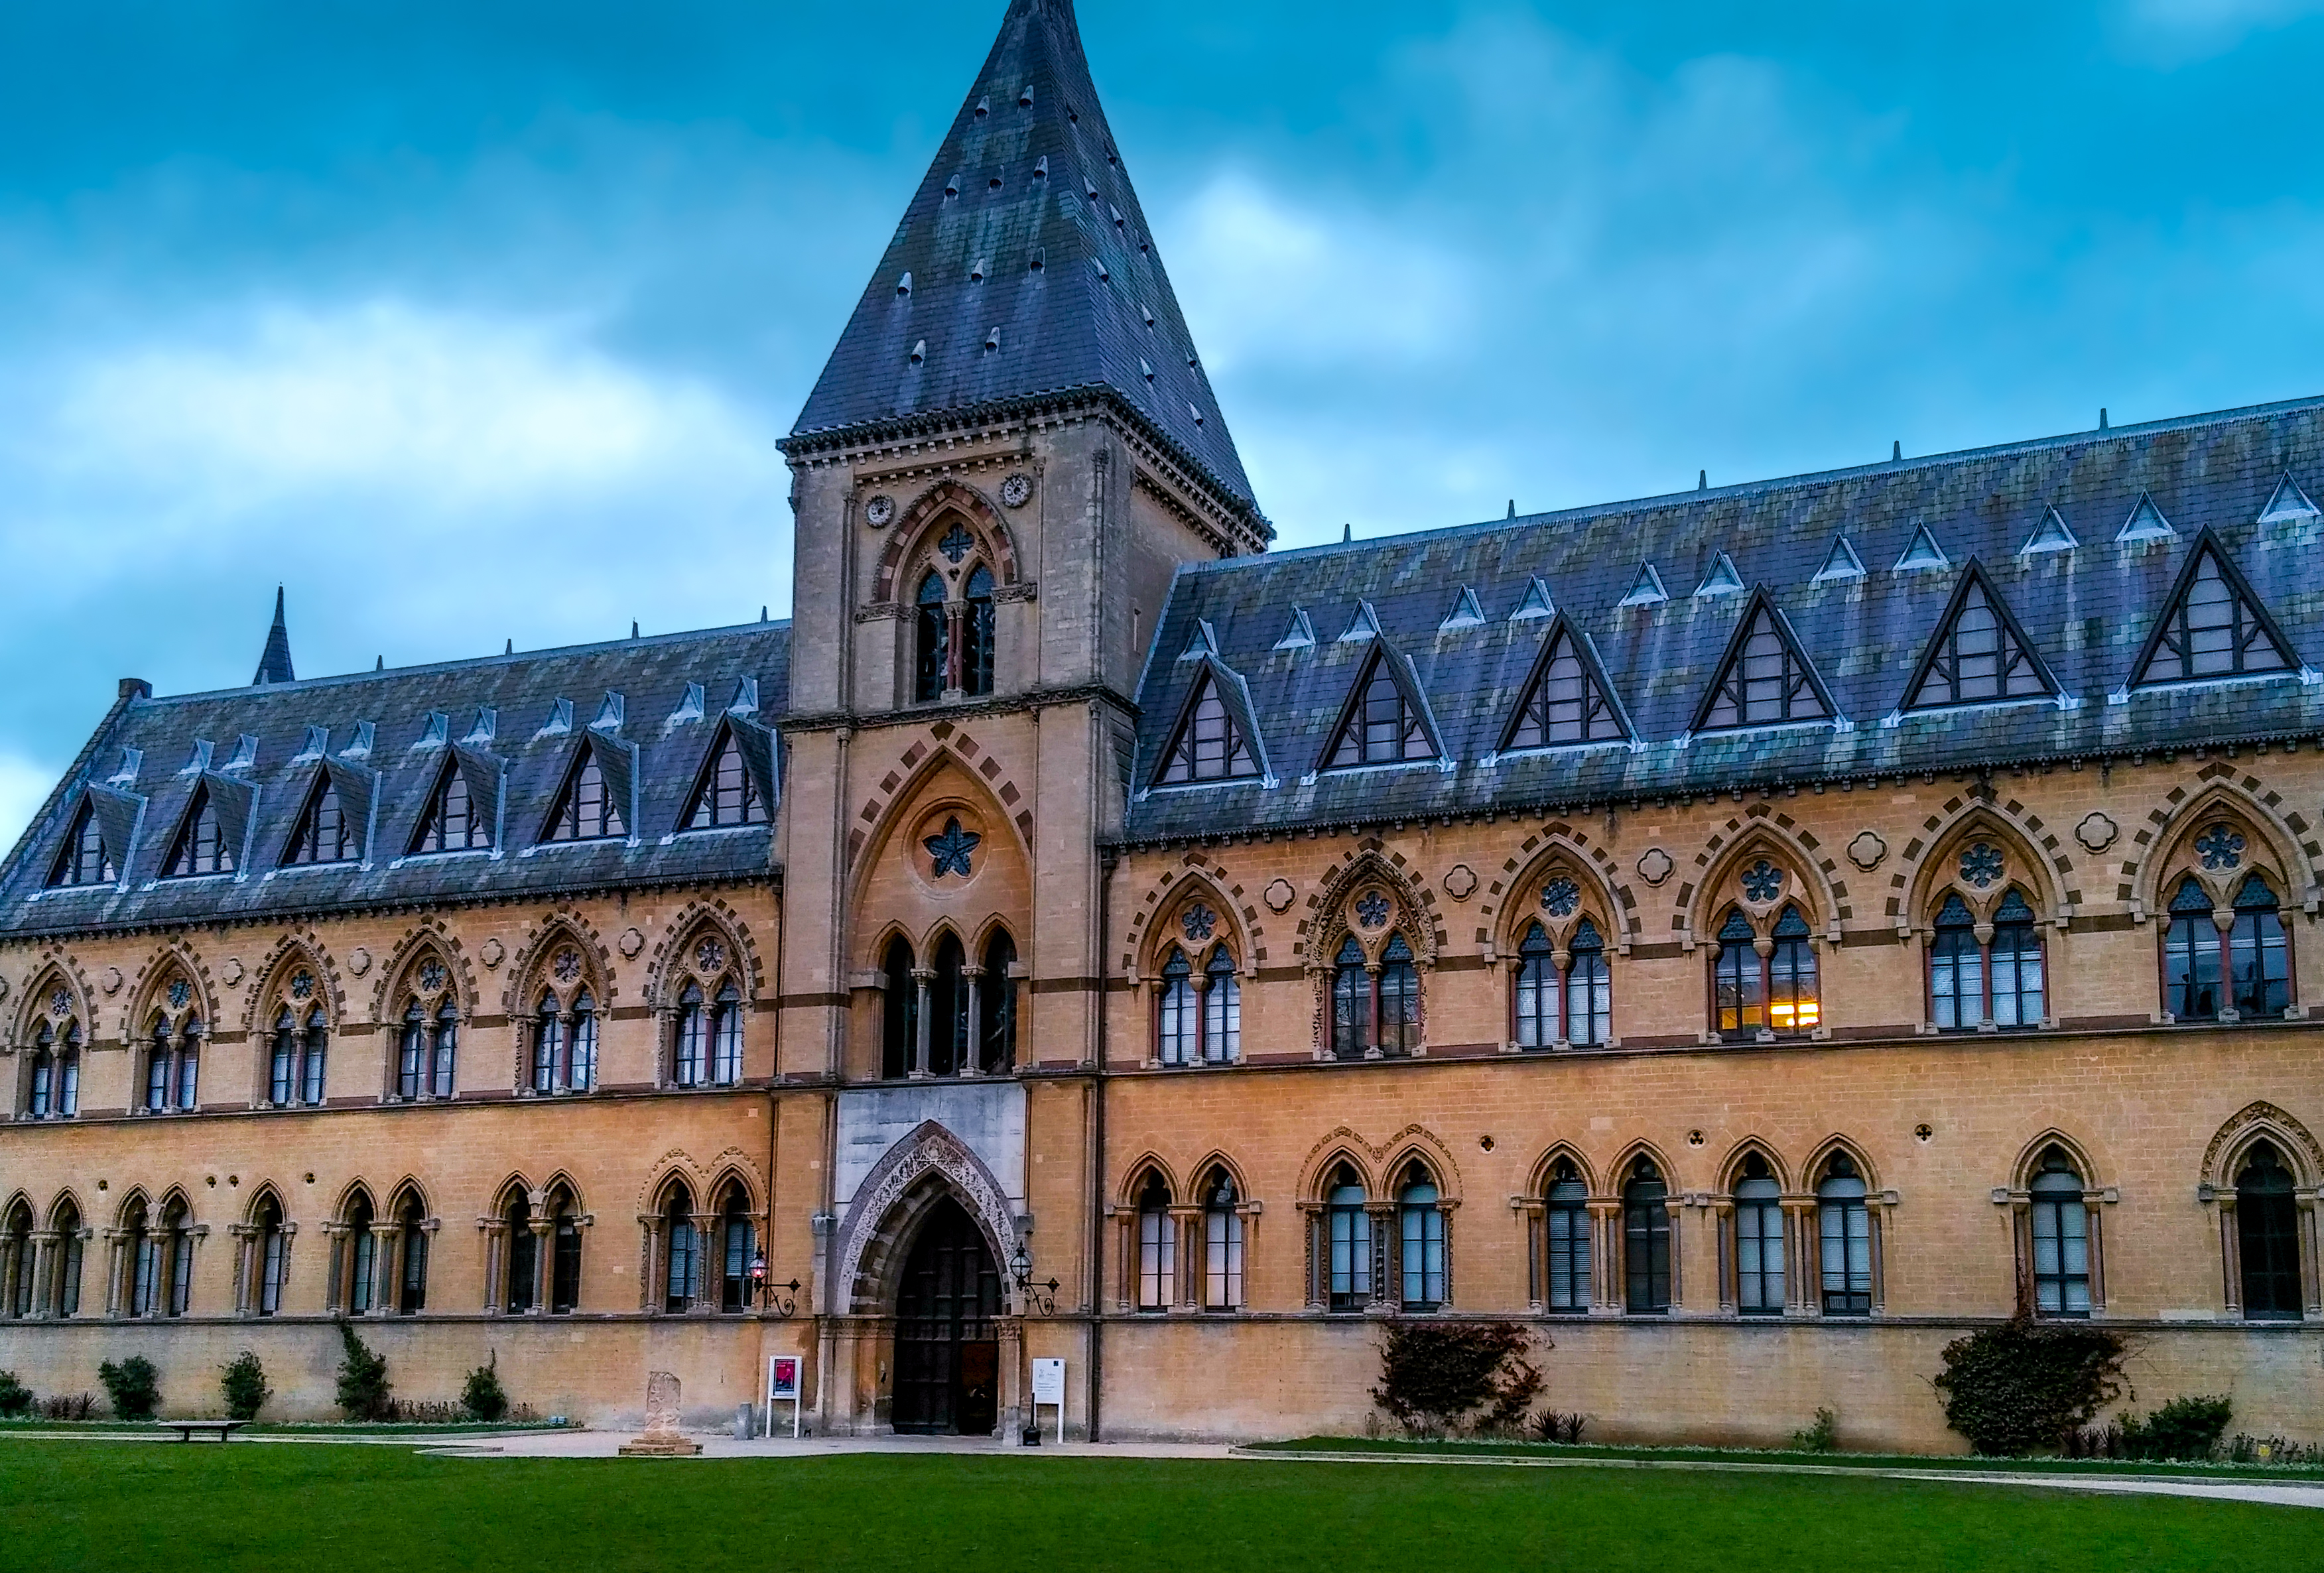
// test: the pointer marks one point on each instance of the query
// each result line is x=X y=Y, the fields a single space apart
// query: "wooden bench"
x=220 y=1429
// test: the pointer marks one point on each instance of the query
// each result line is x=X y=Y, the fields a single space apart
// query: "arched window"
x=2062 y=1239
x=1221 y=1244
x=2020 y=995
x=564 y=1260
x=1777 y=993
x=69 y=1249
x=412 y=1059
x=976 y=631
x=1739 y=985
x=2258 y=961
x=1177 y=1022
x=69 y=1074
x=1844 y=1231
x=318 y=1042
x=1221 y=1009
x=738 y=1249
x=16 y=1258
x=691 y=1060
x=362 y=1267
x=55 y=1093
x=524 y=1254
x=1538 y=1015
x=933 y=642
x=683 y=1258
x=1157 y=1246
x=43 y=1089
x=1794 y=1002
x=1400 y=998
x=1759 y=1278
x=142 y=1254
x=727 y=1036
x=1589 y=987
x=1421 y=1237
x=178 y=1238
x=413 y=1242
x=1351 y=1002
x=273 y=1253
x=549 y=1048
x=899 y=1017
x=1970 y=984
x=2190 y=955
x=580 y=1068
x=1646 y=1240
x=1567 y=1224
x=1956 y=969
x=2267 y=1237
x=1348 y=1235
x=997 y=1003
x=448 y=1045
x=948 y=1016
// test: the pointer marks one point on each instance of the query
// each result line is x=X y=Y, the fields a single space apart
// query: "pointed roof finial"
x=1513 y=508
x=1896 y=452
x=274 y=664
x=1702 y=480
x=1347 y=533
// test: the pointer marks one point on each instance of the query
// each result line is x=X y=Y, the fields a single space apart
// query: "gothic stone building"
x=1750 y=936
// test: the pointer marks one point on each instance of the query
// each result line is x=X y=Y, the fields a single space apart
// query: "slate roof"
x=516 y=719
x=2088 y=608
x=1032 y=272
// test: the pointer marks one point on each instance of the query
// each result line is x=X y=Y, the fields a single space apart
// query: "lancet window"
x=952 y=1018
x=85 y=858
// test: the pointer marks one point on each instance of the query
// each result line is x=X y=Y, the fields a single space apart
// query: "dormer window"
x=201 y=845
x=455 y=821
x=586 y=809
x=728 y=794
x=1209 y=745
x=84 y=860
x=325 y=834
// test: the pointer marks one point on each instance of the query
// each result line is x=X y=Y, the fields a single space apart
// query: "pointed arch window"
x=2247 y=971
x=56 y=1073
x=729 y=793
x=1794 y=995
x=681 y=1281
x=2258 y=956
x=2214 y=628
x=1564 y=704
x=273 y=1249
x=173 y=1059
x=412 y=1242
x=1177 y=1016
x=1400 y=998
x=84 y=858
x=324 y=833
x=727 y=1036
x=1978 y=655
x=2267 y=1237
x=1221 y=1244
x=1999 y=981
x=1157 y=1246
x=1380 y=726
x=363 y=1252
x=2061 y=1229
x=690 y=1063
x=1351 y=1002
x=17 y=1265
x=1759 y=1275
x=586 y=808
x=1777 y=991
x=411 y=1058
x=523 y=1255
x=976 y=628
x=201 y=847
x=564 y=1254
x=899 y=1017
x=1844 y=1234
x=737 y=1246
x=1198 y=1018
x=1567 y=1225
x=1348 y=1238
x=455 y=821
x=1765 y=679
x=1572 y=1007
x=932 y=624
x=1646 y=1240
x=142 y=1254
x=548 y=1043
x=1422 y=1241
x=997 y=1004
x=1209 y=745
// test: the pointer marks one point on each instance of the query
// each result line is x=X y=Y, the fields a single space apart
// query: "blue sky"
x=476 y=319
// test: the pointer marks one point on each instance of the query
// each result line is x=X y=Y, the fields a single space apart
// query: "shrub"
x=69 y=1407
x=2028 y=1384
x=1550 y=1426
x=2278 y=1452
x=15 y=1398
x=133 y=1387
x=1823 y=1437
x=363 y=1379
x=483 y=1397
x=244 y=1383
x=2184 y=1430
x=1433 y=1377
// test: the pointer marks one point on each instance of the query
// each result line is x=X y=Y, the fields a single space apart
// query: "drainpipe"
x=1097 y=1156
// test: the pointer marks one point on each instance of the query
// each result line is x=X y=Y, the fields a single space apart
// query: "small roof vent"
x=1102 y=272
x=1195 y=413
x=1205 y=641
x=2288 y=503
x=992 y=342
x=1647 y=589
x=952 y=186
x=1465 y=612
x=904 y=284
x=1299 y=635
x=1722 y=579
x=1363 y=625
x=1839 y=563
x=920 y=352
x=976 y=271
x=2145 y=523
x=983 y=107
x=1146 y=312
x=1536 y=601
x=1041 y=168
x=1119 y=221
x=1040 y=258
x=1024 y=97
x=1922 y=552
x=1145 y=371
x=2049 y=536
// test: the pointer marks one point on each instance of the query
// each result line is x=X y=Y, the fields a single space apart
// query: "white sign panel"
x=1049 y=1382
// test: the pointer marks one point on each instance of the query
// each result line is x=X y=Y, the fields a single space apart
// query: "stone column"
x=544 y=1261
x=386 y=1279
x=706 y=1238
x=1385 y=1256
x=495 y=1233
x=921 y=978
x=971 y=1062
x=648 y=1292
x=339 y=1292
x=1605 y=1257
x=45 y=1257
x=1372 y=1009
x=10 y=1251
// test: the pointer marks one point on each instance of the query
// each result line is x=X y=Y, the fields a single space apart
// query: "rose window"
x=1763 y=881
x=1371 y=909
x=1199 y=922
x=1980 y=865
x=2219 y=848
x=1561 y=895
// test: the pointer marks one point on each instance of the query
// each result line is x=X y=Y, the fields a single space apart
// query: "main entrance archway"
x=947 y=1346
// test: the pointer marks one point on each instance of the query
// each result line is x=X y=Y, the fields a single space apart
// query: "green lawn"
x=95 y=1504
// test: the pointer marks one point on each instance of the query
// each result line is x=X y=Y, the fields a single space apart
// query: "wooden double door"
x=947 y=1351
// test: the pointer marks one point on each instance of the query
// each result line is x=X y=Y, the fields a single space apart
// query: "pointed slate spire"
x=1044 y=173
x=2049 y=536
x=275 y=665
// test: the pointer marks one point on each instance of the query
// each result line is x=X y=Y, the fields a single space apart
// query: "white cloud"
x=25 y=785
x=2182 y=30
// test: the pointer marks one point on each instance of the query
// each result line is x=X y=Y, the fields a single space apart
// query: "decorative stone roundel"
x=1016 y=491
x=1981 y=864
x=2219 y=848
x=1763 y=881
x=1560 y=896
x=1371 y=909
x=1868 y=851
x=1279 y=894
x=949 y=853
x=493 y=953
x=632 y=942
x=1460 y=882
x=1654 y=866
x=233 y=969
x=879 y=513
x=2096 y=831
x=710 y=958
x=359 y=960
x=1199 y=922
x=303 y=984
x=110 y=982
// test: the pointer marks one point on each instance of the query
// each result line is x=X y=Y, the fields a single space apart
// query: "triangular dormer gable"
x=2287 y=504
x=87 y=858
x=735 y=785
x=1922 y=552
x=2145 y=523
x=1535 y=602
x=2212 y=626
x=1765 y=678
x=1214 y=739
x=597 y=800
x=1566 y=699
x=463 y=806
x=1363 y=625
x=2051 y=535
x=211 y=830
x=333 y=819
x=1839 y=563
x=1384 y=721
x=1979 y=654
x=1721 y=580
x=1300 y=634
x=1646 y=588
x=1465 y=612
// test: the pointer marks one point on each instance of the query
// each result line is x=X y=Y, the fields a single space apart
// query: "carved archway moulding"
x=2251 y=1123
x=1918 y=876
x=1500 y=912
x=908 y=532
x=928 y=1153
x=428 y=933
x=945 y=741
x=697 y=916
x=533 y=957
x=34 y=1002
x=1792 y=841
x=1141 y=949
x=2218 y=787
x=1325 y=923
x=286 y=953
